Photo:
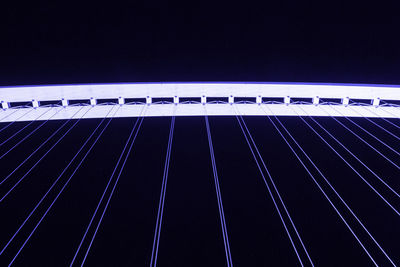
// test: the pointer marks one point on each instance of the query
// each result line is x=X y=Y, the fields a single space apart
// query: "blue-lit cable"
x=368 y=144
x=219 y=198
x=9 y=138
x=41 y=158
x=348 y=164
x=354 y=156
x=330 y=185
x=270 y=192
x=161 y=201
x=11 y=123
x=277 y=192
x=37 y=149
x=105 y=190
x=382 y=118
x=377 y=125
x=62 y=189
x=337 y=211
x=8 y=116
x=55 y=182
x=391 y=123
x=388 y=112
x=112 y=192
x=157 y=232
x=28 y=135
x=370 y=134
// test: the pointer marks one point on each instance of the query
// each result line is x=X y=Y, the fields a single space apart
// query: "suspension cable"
x=353 y=155
x=28 y=135
x=55 y=182
x=347 y=163
x=11 y=123
x=41 y=158
x=370 y=134
x=219 y=198
x=157 y=231
x=376 y=124
x=20 y=130
x=392 y=114
x=382 y=118
x=365 y=142
x=332 y=188
x=14 y=111
x=270 y=192
x=134 y=132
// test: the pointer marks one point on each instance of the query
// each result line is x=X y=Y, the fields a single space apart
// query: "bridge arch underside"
x=197 y=99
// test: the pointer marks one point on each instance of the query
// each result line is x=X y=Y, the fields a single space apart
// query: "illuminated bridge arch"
x=339 y=177
x=199 y=99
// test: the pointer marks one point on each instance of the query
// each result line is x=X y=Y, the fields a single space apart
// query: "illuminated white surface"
x=64 y=102
x=157 y=110
x=376 y=102
x=142 y=90
x=175 y=91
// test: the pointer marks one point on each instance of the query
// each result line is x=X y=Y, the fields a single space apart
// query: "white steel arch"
x=199 y=99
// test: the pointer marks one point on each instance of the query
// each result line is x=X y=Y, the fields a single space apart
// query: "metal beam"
x=157 y=90
x=160 y=110
x=175 y=91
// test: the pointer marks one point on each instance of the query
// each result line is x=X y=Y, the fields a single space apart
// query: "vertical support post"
x=316 y=100
x=203 y=99
x=376 y=102
x=4 y=105
x=93 y=101
x=346 y=101
x=259 y=100
x=64 y=102
x=231 y=99
x=286 y=100
x=35 y=103
x=176 y=100
x=148 y=100
x=121 y=100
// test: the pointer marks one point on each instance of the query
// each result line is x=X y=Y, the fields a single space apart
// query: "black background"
x=283 y=41
x=146 y=41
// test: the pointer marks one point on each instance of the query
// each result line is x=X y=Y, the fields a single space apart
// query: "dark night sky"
x=146 y=41
x=330 y=41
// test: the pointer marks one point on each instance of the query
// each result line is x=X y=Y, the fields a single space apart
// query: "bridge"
x=198 y=99
x=300 y=118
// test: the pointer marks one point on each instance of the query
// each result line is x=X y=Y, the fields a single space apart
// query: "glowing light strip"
x=200 y=110
x=139 y=90
x=147 y=92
